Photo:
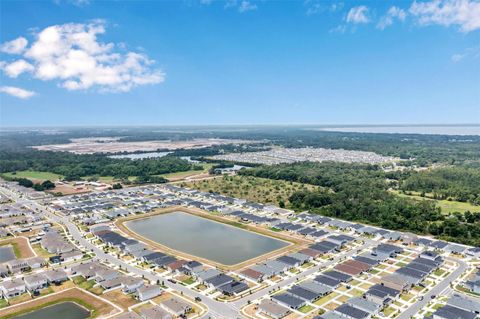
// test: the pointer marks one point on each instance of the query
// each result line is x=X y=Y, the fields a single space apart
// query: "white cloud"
x=242 y=6
x=457 y=57
x=463 y=13
x=16 y=46
x=16 y=68
x=339 y=29
x=336 y=6
x=246 y=6
x=358 y=15
x=392 y=13
x=471 y=53
x=17 y=92
x=72 y=55
x=315 y=8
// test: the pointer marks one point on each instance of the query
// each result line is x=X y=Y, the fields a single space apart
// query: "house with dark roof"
x=350 y=312
x=233 y=288
x=289 y=300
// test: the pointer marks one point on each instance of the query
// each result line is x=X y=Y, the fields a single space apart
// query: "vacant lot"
x=446 y=206
x=34 y=175
x=177 y=176
x=256 y=189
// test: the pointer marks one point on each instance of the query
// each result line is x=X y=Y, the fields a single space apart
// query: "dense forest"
x=360 y=193
x=74 y=166
x=456 y=183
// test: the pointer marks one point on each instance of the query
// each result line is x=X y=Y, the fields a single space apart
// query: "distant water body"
x=439 y=130
x=137 y=156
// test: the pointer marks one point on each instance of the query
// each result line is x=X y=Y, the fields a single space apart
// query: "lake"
x=6 y=253
x=205 y=238
x=137 y=156
x=63 y=310
x=411 y=129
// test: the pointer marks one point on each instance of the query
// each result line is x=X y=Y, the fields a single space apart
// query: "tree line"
x=359 y=192
x=75 y=166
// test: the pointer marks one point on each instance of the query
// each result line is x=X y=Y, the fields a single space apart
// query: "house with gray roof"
x=147 y=292
x=364 y=305
x=464 y=303
x=273 y=309
x=55 y=276
x=12 y=288
x=207 y=274
x=289 y=300
x=155 y=312
x=176 y=306
x=350 y=312
x=450 y=312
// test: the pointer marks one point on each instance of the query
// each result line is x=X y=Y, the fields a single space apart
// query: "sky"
x=199 y=62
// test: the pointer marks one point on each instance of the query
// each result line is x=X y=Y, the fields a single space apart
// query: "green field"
x=260 y=190
x=34 y=175
x=446 y=206
x=181 y=175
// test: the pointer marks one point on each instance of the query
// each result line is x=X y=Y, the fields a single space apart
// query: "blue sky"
x=239 y=62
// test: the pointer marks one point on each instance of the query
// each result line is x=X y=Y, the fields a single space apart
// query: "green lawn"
x=188 y=281
x=305 y=309
x=3 y=303
x=34 y=175
x=446 y=206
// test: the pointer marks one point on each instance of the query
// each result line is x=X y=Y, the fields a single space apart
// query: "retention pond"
x=201 y=237
x=63 y=310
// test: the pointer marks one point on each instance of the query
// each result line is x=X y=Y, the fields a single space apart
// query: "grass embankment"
x=20 y=247
x=34 y=175
x=97 y=307
x=256 y=189
x=446 y=206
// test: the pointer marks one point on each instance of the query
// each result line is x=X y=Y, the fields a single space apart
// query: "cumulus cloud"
x=72 y=55
x=242 y=6
x=16 y=46
x=16 y=68
x=246 y=6
x=392 y=14
x=462 y=13
x=358 y=15
x=17 y=92
x=472 y=53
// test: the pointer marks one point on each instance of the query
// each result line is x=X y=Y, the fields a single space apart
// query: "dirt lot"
x=21 y=247
x=119 y=298
x=100 y=307
x=69 y=190
x=112 y=145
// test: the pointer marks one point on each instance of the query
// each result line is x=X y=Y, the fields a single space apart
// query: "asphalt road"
x=436 y=291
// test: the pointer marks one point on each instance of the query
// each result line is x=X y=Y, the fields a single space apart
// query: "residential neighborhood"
x=325 y=268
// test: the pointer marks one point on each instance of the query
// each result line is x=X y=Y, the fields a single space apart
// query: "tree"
x=48 y=185
x=117 y=186
x=38 y=187
x=25 y=182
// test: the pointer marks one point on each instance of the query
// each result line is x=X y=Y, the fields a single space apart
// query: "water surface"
x=204 y=238
x=414 y=129
x=137 y=156
x=63 y=310
x=6 y=253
